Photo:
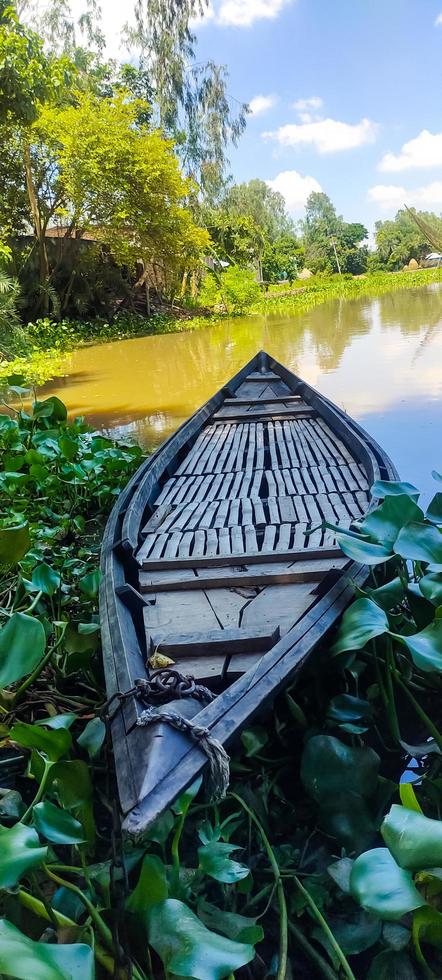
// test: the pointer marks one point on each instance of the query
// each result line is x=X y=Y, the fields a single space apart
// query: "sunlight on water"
x=379 y=359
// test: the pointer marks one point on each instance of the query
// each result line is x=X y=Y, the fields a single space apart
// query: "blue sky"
x=350 y=97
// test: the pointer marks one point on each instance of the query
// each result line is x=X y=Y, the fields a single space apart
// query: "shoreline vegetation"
x=47 y=343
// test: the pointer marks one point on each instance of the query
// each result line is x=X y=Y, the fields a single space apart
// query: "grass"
x=50 y=341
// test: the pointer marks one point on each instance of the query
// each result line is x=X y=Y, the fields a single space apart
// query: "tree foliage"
x=329 y=240
x=400 y=239
x=100 y=171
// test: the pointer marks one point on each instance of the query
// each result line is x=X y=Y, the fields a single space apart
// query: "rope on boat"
x=218 y=760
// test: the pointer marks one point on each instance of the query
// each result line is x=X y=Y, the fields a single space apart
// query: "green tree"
x=282 y=259
x=235 y=237
x=331 y=244
x=98 y=170
x=262 y=204
x=400 y=239
x=190 y=98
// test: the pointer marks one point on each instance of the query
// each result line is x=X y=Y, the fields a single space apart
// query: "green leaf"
x=328 y=767
x=20 y=852
x=215 y=861
x=363 y=621
x=340 y=871
x=384 y=523
x=427 y=928
x=11 y=805
x=22 y=646
x=356 y=934
x=24 y=958
x=89 y=584
x=420 y=542
x=382 y=887
x=344 y=709
x=188 y=949
x=389 y=595
x=363 y=551
x=415 y=841
x=395 y=488
x=390 y=965
x=14 y=543
x=253 y=740
x=55 y=744
x=182 y=804
x=51 y=408
x=58 y=721
x=151 y=886
x=409 y=798
x=240 y=927
x=425 y=647
x=434 y=512
x=431 y=587
x=57 y=825
x=395 y=936
x=92 y=737
x=45 y=579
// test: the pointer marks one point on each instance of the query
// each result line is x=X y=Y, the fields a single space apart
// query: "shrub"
x=234 y=290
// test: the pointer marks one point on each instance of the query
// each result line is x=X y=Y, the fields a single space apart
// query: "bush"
x=233 y=291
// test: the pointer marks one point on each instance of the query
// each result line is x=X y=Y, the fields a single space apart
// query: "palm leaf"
x=428 y=232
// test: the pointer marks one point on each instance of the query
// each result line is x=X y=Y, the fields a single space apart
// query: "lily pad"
x=188 y=949
x=22 y=646
x=382 y=887
x=363 y=621
x=20 y=852
x=425 y=647
x=56 y=824
x=14 y=543
x=420 y=542
x=23 y=958
x=414 y=840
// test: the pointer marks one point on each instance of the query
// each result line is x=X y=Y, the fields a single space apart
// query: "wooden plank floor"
x=245 y=488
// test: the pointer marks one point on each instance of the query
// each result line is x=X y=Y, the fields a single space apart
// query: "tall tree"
x=260 y=202
x=191 y=99
x=402 y=239
x=332 y=244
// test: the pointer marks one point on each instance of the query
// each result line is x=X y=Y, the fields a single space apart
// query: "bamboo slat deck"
x=216 y=557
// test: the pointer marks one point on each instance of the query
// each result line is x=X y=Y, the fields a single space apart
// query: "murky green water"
x=380 y=359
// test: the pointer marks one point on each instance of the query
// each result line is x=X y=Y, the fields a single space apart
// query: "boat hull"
x=216 y=563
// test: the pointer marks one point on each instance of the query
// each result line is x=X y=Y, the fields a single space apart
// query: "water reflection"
x=379 y=359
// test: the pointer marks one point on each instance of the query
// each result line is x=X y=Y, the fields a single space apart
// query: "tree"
x=282 y=259
x=235 y=237
x=262 y=204
x=190 y=99
x=96 y=169
x=27 y=75
x=329 y=240
x=400 y=239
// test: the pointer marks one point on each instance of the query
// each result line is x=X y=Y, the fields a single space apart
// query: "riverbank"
x=50 y=341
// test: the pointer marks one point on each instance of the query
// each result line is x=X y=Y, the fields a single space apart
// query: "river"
x=379 y=359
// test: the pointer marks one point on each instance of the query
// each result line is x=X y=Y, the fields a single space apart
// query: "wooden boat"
x=207 y=568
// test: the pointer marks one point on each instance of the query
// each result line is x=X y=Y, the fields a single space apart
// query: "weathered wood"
x=246 y=558
x=231 y=640
x=276 y=399
x=272 y=414
x=226 y=581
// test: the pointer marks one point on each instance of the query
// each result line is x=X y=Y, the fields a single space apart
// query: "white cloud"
x=261 y=103
x=424 y=150
x=243 y=13
x=308 y=105
x=390 y=197
x=326 y=135
x=438 y=21
x=294 y=188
